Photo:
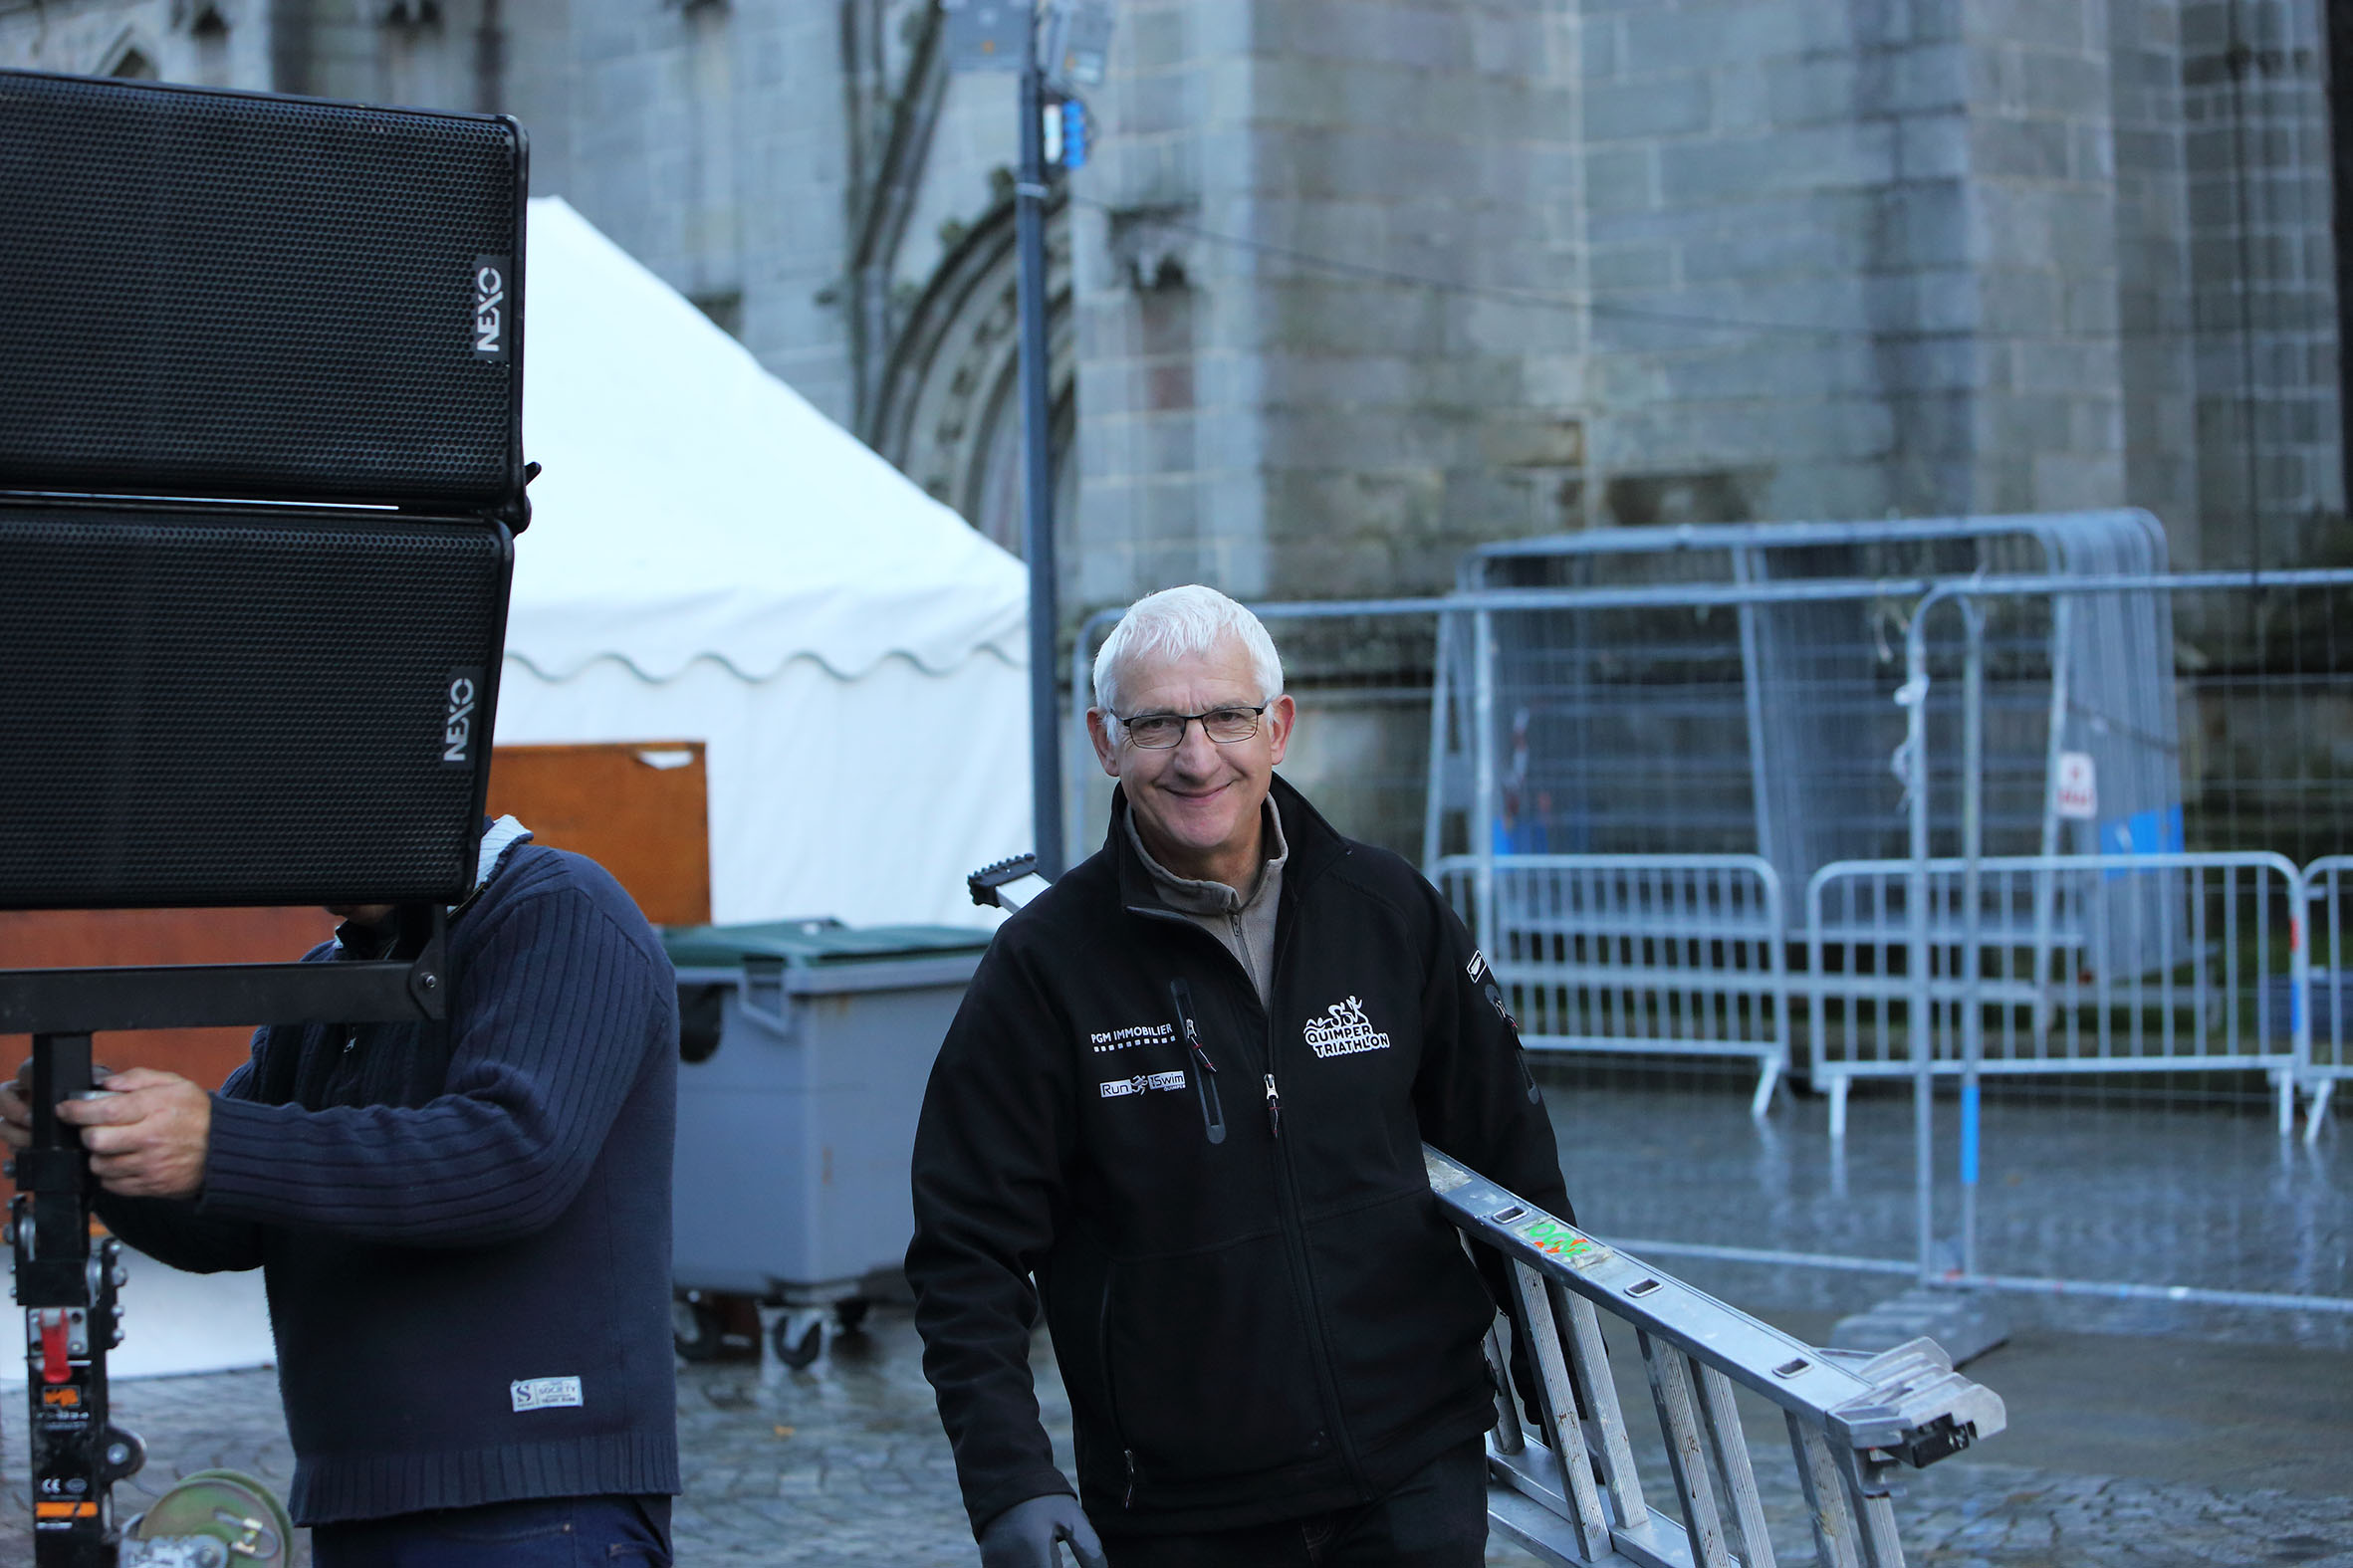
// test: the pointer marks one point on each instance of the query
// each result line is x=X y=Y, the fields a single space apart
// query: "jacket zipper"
x=1205 y=1080
x=1287 y=1203
x=1287 y=1207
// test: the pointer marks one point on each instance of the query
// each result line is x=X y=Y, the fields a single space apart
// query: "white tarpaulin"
x=711 y=559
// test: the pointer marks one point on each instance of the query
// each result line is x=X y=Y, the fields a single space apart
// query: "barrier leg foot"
x=1769 y=1075
x=2317 y=1112
x=2286 y=1082
x=1838 y=1109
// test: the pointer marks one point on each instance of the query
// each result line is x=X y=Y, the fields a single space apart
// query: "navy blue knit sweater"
x=465 y=1231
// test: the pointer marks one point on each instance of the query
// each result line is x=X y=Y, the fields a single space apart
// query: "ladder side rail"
x=1728 y=1444
x=1562 y=1433
x=1825 y=1494
x=1877 y=1537
x=1686 y=1460
x=1590 y=1359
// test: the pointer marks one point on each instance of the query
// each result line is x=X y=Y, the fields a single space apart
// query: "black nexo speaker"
x=224 y=707
x=240 y=295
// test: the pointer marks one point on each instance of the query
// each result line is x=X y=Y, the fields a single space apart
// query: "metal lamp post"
x=1055 y=48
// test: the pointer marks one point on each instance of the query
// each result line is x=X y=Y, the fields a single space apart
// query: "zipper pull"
x=1273 y=1107
x=1127 y=1501
x=1182 y=995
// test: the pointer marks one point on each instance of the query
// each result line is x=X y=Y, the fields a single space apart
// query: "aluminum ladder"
x=1851 y=1417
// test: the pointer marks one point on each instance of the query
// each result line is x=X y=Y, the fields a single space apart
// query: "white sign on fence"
x=2079 y=792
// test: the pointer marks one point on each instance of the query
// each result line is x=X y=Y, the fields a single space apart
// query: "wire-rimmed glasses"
x=1157 y=731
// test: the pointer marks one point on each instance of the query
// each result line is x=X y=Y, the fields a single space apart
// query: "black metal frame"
x=66 y=1285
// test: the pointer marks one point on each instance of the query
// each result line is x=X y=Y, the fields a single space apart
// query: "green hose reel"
x=211 y=1519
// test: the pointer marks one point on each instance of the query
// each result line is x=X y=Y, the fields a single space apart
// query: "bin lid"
x=813 y=943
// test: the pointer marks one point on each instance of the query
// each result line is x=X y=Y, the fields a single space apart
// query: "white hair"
x=1178 y=622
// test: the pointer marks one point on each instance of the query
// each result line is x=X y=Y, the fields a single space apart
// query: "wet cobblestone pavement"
x=2228 y=1442
x=2075 y=1184
x=846 y=1464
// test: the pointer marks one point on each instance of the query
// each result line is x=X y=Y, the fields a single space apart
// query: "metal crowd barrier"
x=1566 y=1488
x=2328 y=989
x=2015 y=985
x=1662 y=955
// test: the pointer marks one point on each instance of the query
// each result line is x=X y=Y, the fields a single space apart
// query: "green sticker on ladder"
x=1555 y=1239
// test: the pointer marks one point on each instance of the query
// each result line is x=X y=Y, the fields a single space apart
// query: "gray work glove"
x=1024 y=1535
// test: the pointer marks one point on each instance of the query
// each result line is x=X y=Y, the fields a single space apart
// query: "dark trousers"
x=1433 y=1518
x=545 y=1532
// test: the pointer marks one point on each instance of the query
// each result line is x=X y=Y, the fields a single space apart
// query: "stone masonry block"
x=1668 y=39
x=1934 y=146
x=1631 y=266
x=1805 y=158
x=1635 y=110
x=2064 y=482
x=1929 y=76
x=1621 y=182
x=2022 y=148
x=2067 y=25
x=1777 y=369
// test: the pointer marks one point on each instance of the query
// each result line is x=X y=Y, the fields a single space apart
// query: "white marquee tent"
x=711 y=559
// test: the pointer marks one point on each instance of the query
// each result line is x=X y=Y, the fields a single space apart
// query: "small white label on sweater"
x=544 y=1393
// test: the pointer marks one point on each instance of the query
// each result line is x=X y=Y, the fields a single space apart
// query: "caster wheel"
x=851 y=1315
x=695 y=1327
x=798 y=1338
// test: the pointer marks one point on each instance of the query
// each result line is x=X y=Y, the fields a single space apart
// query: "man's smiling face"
x=1197 y=803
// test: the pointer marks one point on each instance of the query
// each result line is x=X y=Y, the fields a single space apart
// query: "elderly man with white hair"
x=1186 y=1095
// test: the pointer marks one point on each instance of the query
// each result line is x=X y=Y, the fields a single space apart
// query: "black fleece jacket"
x=1258 y=1308
x=465 y=1229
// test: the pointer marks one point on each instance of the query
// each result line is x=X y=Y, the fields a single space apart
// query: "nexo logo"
x=457 y=733
x=489 y=308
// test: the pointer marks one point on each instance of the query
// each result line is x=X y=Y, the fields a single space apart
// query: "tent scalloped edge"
x=572 y=668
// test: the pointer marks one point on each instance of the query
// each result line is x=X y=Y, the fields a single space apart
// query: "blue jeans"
x=1433 y=1518
x=544 y=1533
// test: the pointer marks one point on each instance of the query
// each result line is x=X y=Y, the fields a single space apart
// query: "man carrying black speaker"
x=465 y=1228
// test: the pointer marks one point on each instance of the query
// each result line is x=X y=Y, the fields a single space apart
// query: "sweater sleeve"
x=1475 y=1097
x=995 y=1137
x=555 y=1012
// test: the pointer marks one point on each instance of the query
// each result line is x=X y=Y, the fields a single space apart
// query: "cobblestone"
x=844 y=1465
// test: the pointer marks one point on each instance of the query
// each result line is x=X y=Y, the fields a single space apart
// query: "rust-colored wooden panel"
x=639 y=808
x=115 y=937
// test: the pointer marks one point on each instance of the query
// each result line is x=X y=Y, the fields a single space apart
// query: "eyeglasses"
x=1157 y=731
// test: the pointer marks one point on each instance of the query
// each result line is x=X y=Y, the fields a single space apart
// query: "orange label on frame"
x=64 y=1396
x=65 y=1511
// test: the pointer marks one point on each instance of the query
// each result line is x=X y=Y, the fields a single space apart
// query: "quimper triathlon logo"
x=1345 y=1030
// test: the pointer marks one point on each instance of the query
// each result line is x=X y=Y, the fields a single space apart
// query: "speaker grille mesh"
x=203 y=711
x=214 y=293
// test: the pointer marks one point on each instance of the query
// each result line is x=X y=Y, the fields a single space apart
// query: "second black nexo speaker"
x=241 y=296
x=229 y=707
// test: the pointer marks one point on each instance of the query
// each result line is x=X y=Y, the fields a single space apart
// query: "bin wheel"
x=798 y=1337
x=852 y=1315
x=695 y=1327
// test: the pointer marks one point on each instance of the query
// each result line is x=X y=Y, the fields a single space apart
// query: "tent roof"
x=693 y=506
